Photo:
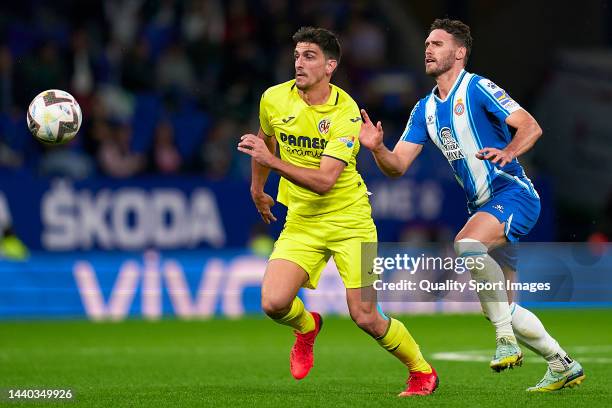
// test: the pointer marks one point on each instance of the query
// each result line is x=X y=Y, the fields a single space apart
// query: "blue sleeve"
x=416 y=130
x=494 y=99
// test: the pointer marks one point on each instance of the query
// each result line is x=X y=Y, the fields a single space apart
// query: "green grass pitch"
x=245 y=363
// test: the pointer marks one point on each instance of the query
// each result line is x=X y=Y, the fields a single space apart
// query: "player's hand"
x=370 y=136
x=256 y=148
x=495 y=156
x=264 y=203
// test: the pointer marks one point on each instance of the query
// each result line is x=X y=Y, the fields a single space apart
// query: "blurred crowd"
x=168 y=86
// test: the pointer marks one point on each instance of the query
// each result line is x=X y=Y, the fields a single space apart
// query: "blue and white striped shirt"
x=471 y=117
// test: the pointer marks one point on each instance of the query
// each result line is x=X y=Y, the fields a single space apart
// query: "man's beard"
x=444 y=66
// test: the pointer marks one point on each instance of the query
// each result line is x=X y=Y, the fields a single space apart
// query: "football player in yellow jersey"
x=315 y=125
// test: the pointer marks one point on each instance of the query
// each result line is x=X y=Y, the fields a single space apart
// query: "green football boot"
x=507 y=354
x=554 y=381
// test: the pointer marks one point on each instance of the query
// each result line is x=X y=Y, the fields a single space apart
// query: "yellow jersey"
x=304 y=134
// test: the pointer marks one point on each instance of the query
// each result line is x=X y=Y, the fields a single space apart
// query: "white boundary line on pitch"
x=480 y=356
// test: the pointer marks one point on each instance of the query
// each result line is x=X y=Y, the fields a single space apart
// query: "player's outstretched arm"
x=259 y=176
x=392 y=163
x=527 y=133
x=319 y=180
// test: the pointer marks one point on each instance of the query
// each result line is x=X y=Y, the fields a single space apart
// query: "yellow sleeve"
x=344 y=135
x=264 y=116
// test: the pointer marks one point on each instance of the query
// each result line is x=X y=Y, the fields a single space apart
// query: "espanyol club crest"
x=459 y=107
x=324 y=125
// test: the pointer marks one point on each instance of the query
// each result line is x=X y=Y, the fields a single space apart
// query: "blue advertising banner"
x=187 y=212
x=114 y=285
x=150 y=285
x=201 y=284
x=155 y=212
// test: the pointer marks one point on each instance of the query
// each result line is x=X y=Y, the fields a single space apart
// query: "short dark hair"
x=459 y=30
x=325 y=39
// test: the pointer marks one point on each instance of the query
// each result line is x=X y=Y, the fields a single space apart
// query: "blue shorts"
x=518 y=208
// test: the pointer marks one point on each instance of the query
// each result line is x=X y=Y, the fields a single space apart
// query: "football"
x=54 y=117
